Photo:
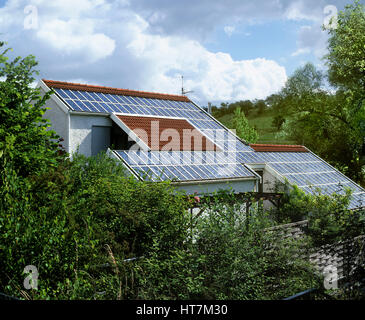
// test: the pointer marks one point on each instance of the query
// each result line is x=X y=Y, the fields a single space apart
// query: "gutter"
x=193 y=182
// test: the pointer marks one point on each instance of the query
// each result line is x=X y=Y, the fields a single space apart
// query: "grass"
x=262 y=123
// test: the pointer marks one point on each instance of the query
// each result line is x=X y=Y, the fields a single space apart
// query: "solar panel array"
x=184 y=165
x=301 y=168
x=85 y=101
x=308 y=172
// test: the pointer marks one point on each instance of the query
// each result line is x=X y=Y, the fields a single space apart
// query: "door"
x=100 y=139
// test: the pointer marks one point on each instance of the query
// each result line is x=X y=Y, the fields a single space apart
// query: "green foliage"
x=346 y=63
x=24 y=141
x=293 y=204
x=246 y=106
x=346 y=60
x=320 y=119
x=278 y=122
x=329 y=219
x=243 y=129
x=77 y=224
x=260 y=106
x=62 y=219
x=243 y=260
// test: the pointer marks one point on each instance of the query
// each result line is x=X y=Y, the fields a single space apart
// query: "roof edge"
x=125 y=92
x=278 y=148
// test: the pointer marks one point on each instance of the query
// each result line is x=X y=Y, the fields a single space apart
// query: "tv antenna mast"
x=183 y=92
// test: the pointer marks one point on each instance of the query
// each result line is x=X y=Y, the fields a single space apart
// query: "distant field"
x=262 y=123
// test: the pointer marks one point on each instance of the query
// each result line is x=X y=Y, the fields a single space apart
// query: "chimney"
x=209 y=108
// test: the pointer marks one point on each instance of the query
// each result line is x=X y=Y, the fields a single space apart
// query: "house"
x=168 y=137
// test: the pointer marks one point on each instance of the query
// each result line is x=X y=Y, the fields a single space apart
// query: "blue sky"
x=227 y=50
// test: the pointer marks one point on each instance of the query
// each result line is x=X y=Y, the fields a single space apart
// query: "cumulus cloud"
x=76 y=36
x=311 y=39
x=112 y=44
x=148 y=45
x=214 y=76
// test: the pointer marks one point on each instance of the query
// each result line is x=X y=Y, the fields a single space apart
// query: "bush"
x=244 y=260
x=329 y=219
x=62 y=220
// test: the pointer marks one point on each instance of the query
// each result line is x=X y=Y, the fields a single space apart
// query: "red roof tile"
x=278 y=148
x=158 y=132
x=124 y=92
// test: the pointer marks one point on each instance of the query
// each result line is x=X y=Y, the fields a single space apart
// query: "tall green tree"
x=25 y=143
x=346 y=50
x=346 y=63
x=320 y=120
x=243 y=129
x=331 y=123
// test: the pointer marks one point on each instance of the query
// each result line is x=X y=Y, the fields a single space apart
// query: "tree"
x=25 y=142
x=246 y=106
x=346 y=63
x=243 y=129
x=278 y=121
x=332 y=124
x=346 y=59
x=260 y=106
x=320 y=120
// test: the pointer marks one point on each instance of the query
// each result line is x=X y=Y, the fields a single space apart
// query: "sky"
x=226 y=50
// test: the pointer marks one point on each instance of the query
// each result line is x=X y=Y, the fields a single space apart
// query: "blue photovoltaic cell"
x=185 y=165
x=301 y=168
x=307 y=171
x=88 y=101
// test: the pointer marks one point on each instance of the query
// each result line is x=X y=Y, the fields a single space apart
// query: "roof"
x=228 y=160
x=184 y=166
x=125 y=92
x=174 y=134
x=278 y=148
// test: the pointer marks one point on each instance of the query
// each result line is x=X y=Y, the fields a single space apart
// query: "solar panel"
x=185 y=165
x=86 y=101
x=307 y=171
x=302 y=168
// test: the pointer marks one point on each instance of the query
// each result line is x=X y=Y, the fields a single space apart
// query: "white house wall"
x=58 y=119
x=269 y=182
x=81 y=131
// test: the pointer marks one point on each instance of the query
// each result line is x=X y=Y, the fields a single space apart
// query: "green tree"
x=332 y=124
x=278 y=121
x=320 y=120
x=346 y=64
x=243 y=129
x=260 y=106
x=346 y=59
x=25 y=142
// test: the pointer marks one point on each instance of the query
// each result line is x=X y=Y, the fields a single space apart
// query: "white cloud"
x=301 y=51
x=311 y=40
x=212 y=76
x=109 y=43
x=75 y=36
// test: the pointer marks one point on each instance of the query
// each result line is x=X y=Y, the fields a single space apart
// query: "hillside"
x=263 y=124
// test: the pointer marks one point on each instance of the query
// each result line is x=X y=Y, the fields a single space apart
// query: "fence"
x=342 y=258
x=4 y=296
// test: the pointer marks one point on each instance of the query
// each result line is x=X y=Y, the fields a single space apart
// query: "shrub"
x=63 y=220
x=247 y=261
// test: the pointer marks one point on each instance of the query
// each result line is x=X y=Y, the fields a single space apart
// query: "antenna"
x=183 y=92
